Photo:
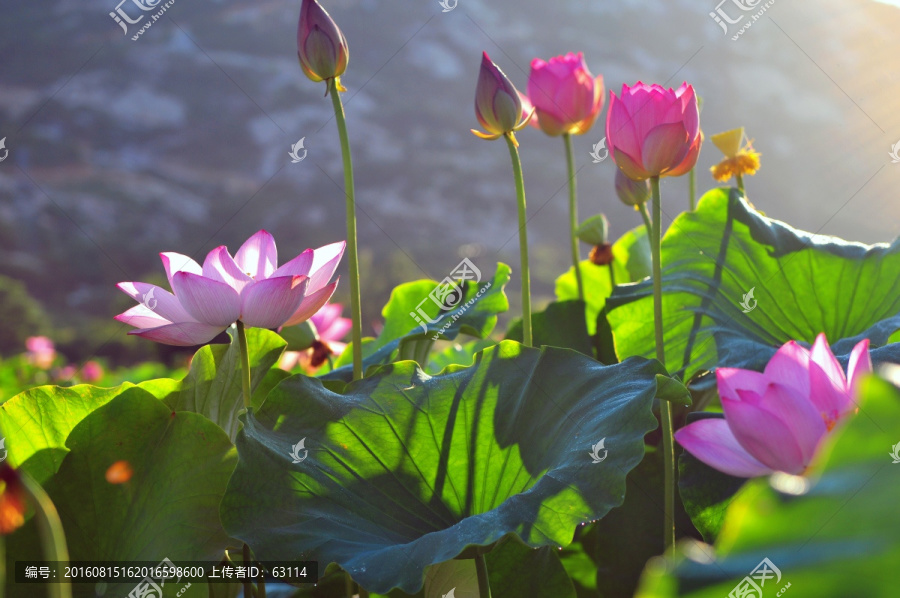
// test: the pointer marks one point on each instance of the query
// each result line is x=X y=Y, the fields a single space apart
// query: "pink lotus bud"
x=653 y=131
x=321 y=46
x=776 y=419
x=566 y=96
x=498 y=106
x=632 y=193
x=41 y=351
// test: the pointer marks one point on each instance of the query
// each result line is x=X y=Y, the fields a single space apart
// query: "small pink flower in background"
x=92 y=371
x=40 y=351
x=565 y=95
x=249 y=287
x=775 y=420
x=64 y=374
x=653 y=131
x=331 y=329
x=498 y=104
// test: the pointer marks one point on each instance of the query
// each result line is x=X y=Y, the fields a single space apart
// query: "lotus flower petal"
x=311 y=304
x=270 y=303
x=208 y=301
x=183 y=334
x=713 y=442
x=258 y=256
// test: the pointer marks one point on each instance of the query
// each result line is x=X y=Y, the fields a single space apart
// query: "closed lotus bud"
x=631 y=192
x=321 y=46
x=498 y=106
x=594 y=230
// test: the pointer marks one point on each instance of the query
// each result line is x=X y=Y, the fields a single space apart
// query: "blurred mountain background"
x=178 y=141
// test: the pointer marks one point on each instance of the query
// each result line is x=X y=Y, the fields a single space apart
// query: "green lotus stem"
x=665 y=407
x=50 y=530
x=740 y=183
x=352 y=252
x=248 y=585
x=523 y=241
x=573 y=212
x=692 y=188
x=484 y=585
x=245 y=363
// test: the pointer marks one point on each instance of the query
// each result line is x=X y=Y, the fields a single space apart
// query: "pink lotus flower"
x=565 y=95
x=498 y=104
x=249 y=287
x=92 y=371
x=653 y=131
x=331 y=329
x=775 y=420
x=40 y=351
x=321 y=47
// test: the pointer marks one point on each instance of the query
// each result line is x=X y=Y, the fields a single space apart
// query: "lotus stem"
x=352 y=251
x=50 y=529
x=740 y=182
x=665 y=407
x=692 y=188
x=573 y=212
x=523 y=241
x=484 y=585
x=245 y=363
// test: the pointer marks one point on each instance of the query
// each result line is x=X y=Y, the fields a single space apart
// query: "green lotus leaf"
x=738 y=285
x=404 y=470
x=475 y=314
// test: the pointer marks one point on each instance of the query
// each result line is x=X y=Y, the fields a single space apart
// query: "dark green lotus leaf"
x=831 y=535
x=561 y=324
x=405 y=470
x=180 y=464
x=631 y=262
x=457 y=354
x=516 y=570
x=475 y=315
x=802 y=284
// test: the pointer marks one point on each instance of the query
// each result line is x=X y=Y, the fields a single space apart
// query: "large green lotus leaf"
x=474 y=315
x=516 y=570
x=405 y=470
x=213 y=385
x=631 y=262
x=561 y=324
x=802 y=284
x=181 y=463
x=457 y=354
x=38 y=421
x=833 y=535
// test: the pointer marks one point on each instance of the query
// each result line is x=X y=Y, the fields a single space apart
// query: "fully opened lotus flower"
x=775 y=420
x=498 y=104
x=565 y=95
x=249 y=287
x=321 y=46
x=654 y=131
